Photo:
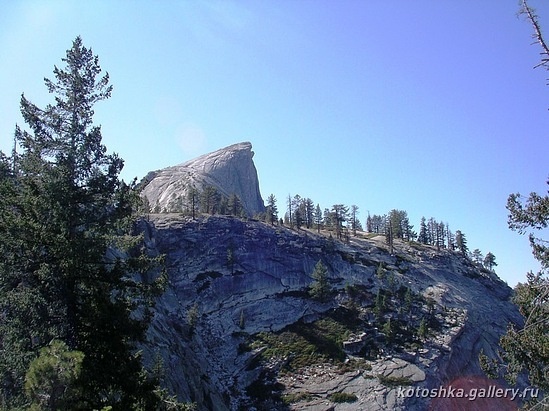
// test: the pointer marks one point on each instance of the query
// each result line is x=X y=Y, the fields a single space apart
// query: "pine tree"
x=423 y=329
x=340 y=215
x=369 y=227
x=477 y=257
x=327 y=219
x=388 y=330
x=320 y=288
x=209 y=200
x=308 y=212
x=527 y=349
x=450 y=238
x=354 y=219
x=235 y=206
x=318 y=218
x=378 y=224
x=65 y=210
x=297 y=210
x=290 y=211
x=423 y=237
x=461 y=243
x=490 y=261
x=389 y=236
x=272 y=210
x=51 y=381
x=441 y=235
x=193 y=201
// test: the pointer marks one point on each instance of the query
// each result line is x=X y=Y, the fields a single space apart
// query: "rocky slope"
x=230 y=170
x=237 y=298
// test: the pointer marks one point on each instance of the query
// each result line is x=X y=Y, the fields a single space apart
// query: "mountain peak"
x=230 y=170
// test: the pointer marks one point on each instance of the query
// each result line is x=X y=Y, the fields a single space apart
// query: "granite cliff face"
x=235 y=283
x=230 y=170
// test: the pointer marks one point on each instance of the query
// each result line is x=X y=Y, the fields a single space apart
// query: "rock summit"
x=230 y=170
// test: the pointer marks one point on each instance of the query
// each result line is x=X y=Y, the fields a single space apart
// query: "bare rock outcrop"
x=230 y=279
x=230 y=170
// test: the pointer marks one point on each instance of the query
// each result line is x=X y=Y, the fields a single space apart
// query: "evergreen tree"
x=328 y=220
x=394 y=223
x=308 y=212
x=51 y=381
x=320 y=288
x=527 y=349
x=378 y=224
x=272 y=210
x=355 y=223
x=209 y=200
x=477 y=257
x=389 y=236
x=490 y=261
x=423 y=329
x=192 y=201
x=339 y=216
x=432 y=229
x=408 y=299
x=318 y=218
x=297 y=211
x=369 y=226
x=289 y=214
x=298 y=218
x=235 y=206
x=64 y=208
x=461 y=243
x=380 y=303
x=450 y=238
x=423 y=237
x=388 y=330
x=441 y=235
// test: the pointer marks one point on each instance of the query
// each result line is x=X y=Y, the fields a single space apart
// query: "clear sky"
x=428 y=106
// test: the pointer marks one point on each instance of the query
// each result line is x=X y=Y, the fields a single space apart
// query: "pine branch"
x=529 y=12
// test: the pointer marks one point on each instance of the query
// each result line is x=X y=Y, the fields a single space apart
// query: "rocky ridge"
x=229 y=170
x=231 y=279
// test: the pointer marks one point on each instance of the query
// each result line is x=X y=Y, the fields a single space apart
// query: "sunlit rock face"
x=230 y=170
x=230 y=278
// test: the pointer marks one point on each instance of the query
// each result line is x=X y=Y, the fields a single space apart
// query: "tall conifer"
x=74 y=270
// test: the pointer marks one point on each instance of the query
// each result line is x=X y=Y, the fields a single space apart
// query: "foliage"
x=390 y=381
x=423 y=329
x=305 y=344
x=50 y=382
x=320 y=288
x=527 y=348
x=341 y=397
x=272 y=210
x=388 y=330
x=72 y=268
x=297 y=397
x=461 y=243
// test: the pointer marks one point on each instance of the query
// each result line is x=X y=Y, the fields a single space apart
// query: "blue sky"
x=429 y=106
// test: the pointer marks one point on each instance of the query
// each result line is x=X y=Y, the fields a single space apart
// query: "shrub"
x=340 y=397
x=393 y=381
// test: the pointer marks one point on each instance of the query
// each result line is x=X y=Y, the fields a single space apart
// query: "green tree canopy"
x=72 y=268
x=320 y=288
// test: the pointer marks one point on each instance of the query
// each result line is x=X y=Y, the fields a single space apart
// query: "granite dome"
x=229 y=170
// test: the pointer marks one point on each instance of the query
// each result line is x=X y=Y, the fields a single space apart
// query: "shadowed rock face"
x=230 y=170
x=198 y=330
